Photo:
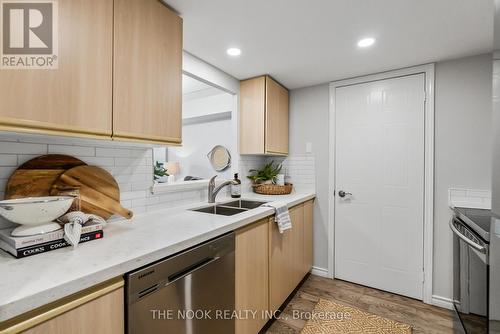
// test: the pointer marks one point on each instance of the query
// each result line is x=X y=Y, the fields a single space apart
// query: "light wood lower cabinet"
x=308 y=236
x=270 y=265
x=252 y=276
x=99 y=309
x=290 y=254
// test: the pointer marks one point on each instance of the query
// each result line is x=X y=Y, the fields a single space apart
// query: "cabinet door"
x=280 y=270
x=147 y=72
x=99 y=309
x=252 y=276
x=297 y=249
x=276 y=118
x=252 y=115
x=308 y=236
x=75 y=98
x=102 y=315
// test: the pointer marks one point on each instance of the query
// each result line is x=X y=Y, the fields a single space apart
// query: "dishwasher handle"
x=190 y=269
x=470 y=242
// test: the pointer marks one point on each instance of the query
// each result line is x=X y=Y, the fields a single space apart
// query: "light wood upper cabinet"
x=263 y=117
x=147 y=72
x=252 y=276
x=99 y=309
x=76 y=98
x=252 y=115
x=119 y=75
x=276 y=118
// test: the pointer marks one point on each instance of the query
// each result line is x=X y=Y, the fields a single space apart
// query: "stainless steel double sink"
x=230 y=208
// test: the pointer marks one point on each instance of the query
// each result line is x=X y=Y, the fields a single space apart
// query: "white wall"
x=199 y=138
x=202 y=104
x=309 y=123
x=463 y=155
x=462 y=147
x=205 y=72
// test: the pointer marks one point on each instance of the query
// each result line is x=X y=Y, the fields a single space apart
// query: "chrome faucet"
x=213 y=190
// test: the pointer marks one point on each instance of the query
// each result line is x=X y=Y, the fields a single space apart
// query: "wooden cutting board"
x=35 y=177
x=99 y=192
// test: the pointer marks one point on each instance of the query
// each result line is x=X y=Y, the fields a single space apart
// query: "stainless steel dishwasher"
x=191 y=292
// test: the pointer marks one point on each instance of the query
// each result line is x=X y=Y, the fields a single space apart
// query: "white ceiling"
x=306 y=42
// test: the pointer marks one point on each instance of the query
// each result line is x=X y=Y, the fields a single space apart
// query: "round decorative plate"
x=220 y=158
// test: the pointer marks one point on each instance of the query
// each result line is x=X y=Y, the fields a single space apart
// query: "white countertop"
x=34 y=281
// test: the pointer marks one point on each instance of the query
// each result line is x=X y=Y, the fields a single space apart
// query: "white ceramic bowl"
x=35 y=210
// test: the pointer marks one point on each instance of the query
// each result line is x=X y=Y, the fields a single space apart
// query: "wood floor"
x=424 y=318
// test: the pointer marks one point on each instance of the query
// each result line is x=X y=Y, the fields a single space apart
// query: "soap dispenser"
x=236 y=187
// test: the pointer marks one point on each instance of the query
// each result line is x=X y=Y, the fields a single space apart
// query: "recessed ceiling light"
x=233 y=52
x=366 y=42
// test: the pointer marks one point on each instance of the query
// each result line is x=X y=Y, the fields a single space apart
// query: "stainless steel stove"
x=471 y=265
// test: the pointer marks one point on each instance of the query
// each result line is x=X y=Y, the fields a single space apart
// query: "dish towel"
x=282 y=217
x=73 y=222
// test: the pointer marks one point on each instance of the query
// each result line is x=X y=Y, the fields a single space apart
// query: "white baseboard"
x=319 y=272
x=442 y=302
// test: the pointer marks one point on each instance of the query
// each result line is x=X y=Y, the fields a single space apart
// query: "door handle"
x=453 y=225
x=344 y=194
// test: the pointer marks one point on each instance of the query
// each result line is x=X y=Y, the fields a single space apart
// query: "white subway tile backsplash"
x=8 y=160
x=99 y=161
x=6 y=172
x=82 y=151
x=138 y=202
x=132 y=168
x=133 y=195
x=22 y=148
x=22 y=158
x=112 y=152
x=139 y=160
x=469 y=198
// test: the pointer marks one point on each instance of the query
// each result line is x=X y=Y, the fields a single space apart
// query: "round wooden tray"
x=272 y=189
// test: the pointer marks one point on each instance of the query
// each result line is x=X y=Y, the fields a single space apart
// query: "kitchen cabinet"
x=99 y=309
x=263 y=117
x=147 y=85
x=119 y=76
x=252 y=276
x=75 y=98
x=290 y=254
x=308 y=236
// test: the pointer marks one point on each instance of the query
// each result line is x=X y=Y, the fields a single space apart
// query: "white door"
x=379 y=159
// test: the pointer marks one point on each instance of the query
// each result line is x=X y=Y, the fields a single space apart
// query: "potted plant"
x=160 y=173
x=266 y=175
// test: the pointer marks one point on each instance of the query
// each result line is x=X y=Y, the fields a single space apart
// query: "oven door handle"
x=471 y=243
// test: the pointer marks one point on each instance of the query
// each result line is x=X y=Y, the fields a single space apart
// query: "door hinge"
x=425 y=96
x=423 y=276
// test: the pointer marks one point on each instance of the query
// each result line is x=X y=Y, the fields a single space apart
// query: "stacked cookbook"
x=41 y=243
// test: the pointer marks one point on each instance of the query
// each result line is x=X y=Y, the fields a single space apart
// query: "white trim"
x=442 y=302
x=322 y=272
x=428 y=70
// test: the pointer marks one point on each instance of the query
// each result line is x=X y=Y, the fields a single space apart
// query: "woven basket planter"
x=272 y=189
